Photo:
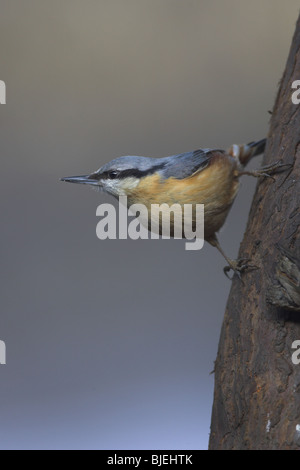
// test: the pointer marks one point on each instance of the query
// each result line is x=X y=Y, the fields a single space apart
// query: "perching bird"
x=204 y=176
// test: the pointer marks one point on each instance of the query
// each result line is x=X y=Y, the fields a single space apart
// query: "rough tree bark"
x=257 y=385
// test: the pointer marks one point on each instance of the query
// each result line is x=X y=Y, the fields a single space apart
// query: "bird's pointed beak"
x=85 y=179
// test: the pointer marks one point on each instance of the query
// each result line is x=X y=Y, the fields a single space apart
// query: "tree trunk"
x=257 y=385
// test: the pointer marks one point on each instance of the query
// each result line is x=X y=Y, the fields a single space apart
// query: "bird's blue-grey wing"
x=186 y=164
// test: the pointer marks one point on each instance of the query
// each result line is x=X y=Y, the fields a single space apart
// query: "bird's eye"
x=113 y=175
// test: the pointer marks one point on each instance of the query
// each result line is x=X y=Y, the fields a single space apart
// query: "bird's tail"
x=245 y=152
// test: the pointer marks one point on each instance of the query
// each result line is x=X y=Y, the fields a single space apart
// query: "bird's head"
x=120 y=175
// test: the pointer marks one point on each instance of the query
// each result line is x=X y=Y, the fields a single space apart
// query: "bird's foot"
x=268 y=170
x=238 y=267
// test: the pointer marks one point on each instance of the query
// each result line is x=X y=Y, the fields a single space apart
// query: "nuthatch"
x=204 y=176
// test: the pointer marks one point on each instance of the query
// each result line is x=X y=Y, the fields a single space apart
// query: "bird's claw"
x=268 y=170
x=275 y=167
x=238 y=267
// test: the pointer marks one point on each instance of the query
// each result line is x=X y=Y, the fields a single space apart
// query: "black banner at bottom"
x=150 y=458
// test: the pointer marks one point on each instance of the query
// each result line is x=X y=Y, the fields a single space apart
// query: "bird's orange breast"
x=215 y=186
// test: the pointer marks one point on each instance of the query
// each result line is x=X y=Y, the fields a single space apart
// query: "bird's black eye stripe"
x=106 y=175
x=130 y=172
x=135 y=173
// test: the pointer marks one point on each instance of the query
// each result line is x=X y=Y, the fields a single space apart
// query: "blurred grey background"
x=110 y=343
